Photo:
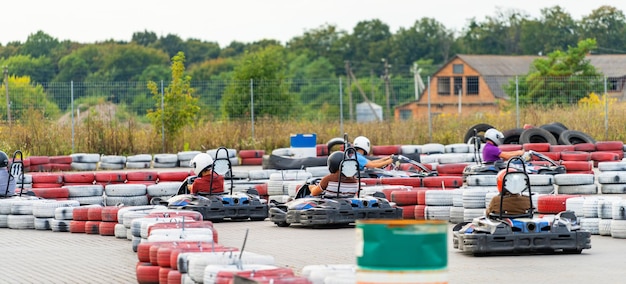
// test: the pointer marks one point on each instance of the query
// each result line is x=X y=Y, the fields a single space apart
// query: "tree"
x=426 y=39
x=499 y=34
x=39 y=44
x=26 y=97
x=564 y=77
x=40 y=69
x=144 y=38
x=607 y=25
x=180 y=107
x=554 y=30
x=266 y=70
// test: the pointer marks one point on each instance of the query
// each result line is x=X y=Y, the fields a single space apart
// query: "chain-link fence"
x=329 y=100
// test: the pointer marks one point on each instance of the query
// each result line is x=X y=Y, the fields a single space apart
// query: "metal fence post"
x=517 y=118
x=252 y=106
x=162 y=117
x=340 y=105
x=72 y=108
x=606 y=110
x=430 y=123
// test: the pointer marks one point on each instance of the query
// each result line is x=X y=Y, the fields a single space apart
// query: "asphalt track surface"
x=34 y=256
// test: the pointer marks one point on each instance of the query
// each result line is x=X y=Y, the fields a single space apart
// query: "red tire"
x=51 y=192
x=555 y=156
x=251 y=161
x=408 y=181
x=174 y=277
x=586 y=147
x=39 y=160
x=79 y=177
x=92 y=227
x=163 y=273
x=80 y=213
x=147 y=273
x=552 y=204
x=411 y=167
x=142 y=176
x=403 y=198
x=321 y=150
x=419 y=212
x=452 y=169
x=48 y=178
x=246 y=154
x=107 y=228
x=173 y=176
x=609 y=146
x=109 y=213
x=77 y=226
x=561 y=148
x=575 y=156
x=261 y=188
x=408 y=212
x=387 y=191
x=60 y=160
x=538 y=147
x=421 y=196
x=94 y=213
x=110 y=177
x=385 y=150
x=577 y=166
x=510 y=147
x=46 y=185
x=370 y=181
x=442 y=182
x=604 y=156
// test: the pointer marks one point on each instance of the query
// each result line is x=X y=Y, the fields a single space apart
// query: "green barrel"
x=401 y=244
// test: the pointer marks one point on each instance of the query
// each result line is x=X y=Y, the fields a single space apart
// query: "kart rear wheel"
x=572 y=251
x=282 y=224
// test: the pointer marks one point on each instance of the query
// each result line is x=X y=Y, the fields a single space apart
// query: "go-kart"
x=543 y=165
x=501 y=233
x=333 y=209
x=16 y=172
x=414 y=169
x=219 y=206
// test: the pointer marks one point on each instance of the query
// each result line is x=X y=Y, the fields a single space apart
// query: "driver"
x=6 y=179
x=201 y=165
x=512 y=203
x=491 y=152
x=330 y=183
x=362 y=146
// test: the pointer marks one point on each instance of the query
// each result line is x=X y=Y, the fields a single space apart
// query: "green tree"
x=39 y=44
x=144 y=38
x=26 y=97
x=40 y=69
x=607 y=25
x=266 y=69
x=554 y=30
x=180 y=107
x=563 y=77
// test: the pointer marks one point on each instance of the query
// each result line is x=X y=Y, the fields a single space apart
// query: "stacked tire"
x=86 y=194
x=612 y=177
x=141 y=161
x=85 y=161
x=185 y=157
x=128 y=194
x=112 y=162
x=165 y=161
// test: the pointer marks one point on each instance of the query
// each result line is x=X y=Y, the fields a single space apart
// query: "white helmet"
x=200 y=162
x=362 y=143
x=494 y=135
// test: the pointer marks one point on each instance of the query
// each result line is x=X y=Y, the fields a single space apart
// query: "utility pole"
x=6 y=88
x=386 y=78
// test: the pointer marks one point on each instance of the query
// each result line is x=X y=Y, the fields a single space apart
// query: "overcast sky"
x=246 y=20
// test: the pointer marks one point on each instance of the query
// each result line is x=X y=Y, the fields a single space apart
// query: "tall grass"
x=115 y=135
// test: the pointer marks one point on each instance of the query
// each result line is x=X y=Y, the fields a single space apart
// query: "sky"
x=247 y=20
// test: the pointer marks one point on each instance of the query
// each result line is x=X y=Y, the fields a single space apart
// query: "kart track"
x=35 y=256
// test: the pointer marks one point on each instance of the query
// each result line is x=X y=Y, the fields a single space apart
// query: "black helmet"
x=334 y=161
x=4 y=160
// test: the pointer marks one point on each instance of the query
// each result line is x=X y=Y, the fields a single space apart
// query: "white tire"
x=470 y=213
x=612 y=177
x=141 y=158
x=60 y=225
x=457 y=214
x=541 y=179
x=591 y=225
x=89 y=200
x=166 y=158
x=85 y=158
x=112 y=159
x=119 y=231
x=575 y=204
x=84 y=166
x=125 y=189
x=619 y=210
x=127 y=200
x=165 y=165
x=410 y=149
x=439 y=197
x=433 y=148
x=230 y=153
x=42 y=223
x=3 y=221
x=604 y=227
x=612 y=166
x=163 y=188
x=618 y=229
x=613 y=188
x=542 y=189
x=187 y=155
x=111 y=166
x=578 y=189
x=574 y=179
x=481 y=180
x=138 y=165
x=21 y=222
x=437 y=213
x=457 y=148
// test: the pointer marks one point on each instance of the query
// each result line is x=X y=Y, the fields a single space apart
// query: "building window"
x=457 y=68
x=443 y=85
x=615 y=84
x=458 y=85
x=406 y=114
x=471 y=87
